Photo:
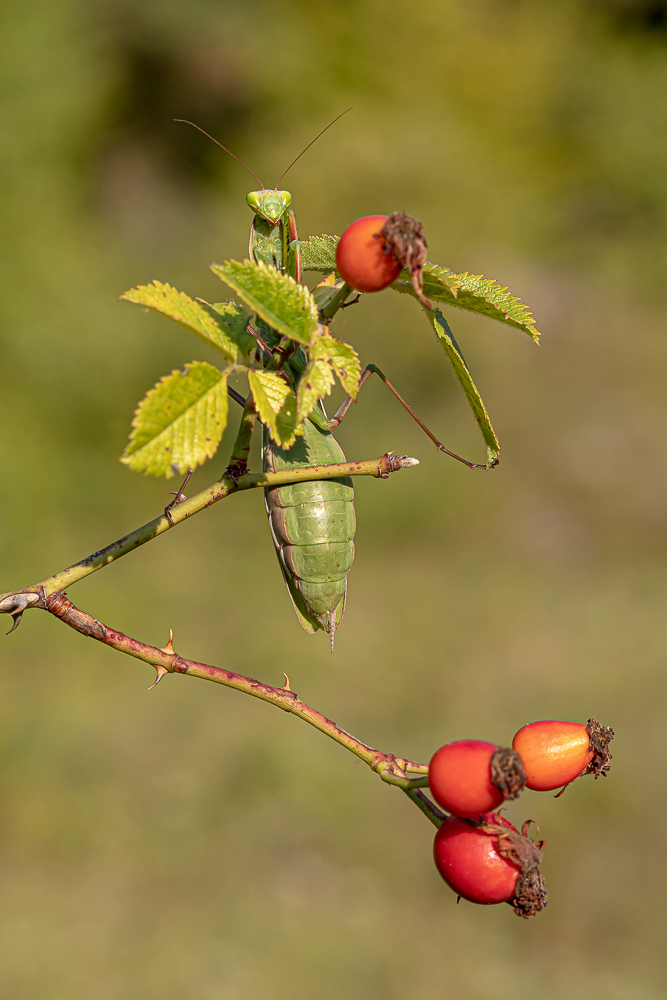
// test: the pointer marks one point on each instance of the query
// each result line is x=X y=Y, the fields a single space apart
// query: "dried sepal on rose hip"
x=556 y=752
x=373 y=251
x=471 y=777
x=488 y=861
x=404 y=241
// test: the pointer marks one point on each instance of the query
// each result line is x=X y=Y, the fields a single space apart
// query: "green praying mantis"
x=278 y=333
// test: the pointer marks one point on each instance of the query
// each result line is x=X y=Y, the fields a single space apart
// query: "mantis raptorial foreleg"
x=347 y=402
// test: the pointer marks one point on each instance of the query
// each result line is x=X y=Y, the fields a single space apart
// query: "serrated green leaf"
x=276 y=405
x=475 y=293
x=343 y=358
x=464 y=378
x=316 y=382
x=326 y=290
x=179 y=422
x=205 y=321
x=318 y=253
x=280 y=301
x=235 y=319
x=472 y=292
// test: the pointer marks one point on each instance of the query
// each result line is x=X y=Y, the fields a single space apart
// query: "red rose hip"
x=471 y=777
x=361 y=259
x=468 y=860
x=491 y=862
x=555 y=752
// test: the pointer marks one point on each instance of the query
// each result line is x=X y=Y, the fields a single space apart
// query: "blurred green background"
x=192 y=842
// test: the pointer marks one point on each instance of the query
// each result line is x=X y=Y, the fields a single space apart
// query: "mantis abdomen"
x=313 y=526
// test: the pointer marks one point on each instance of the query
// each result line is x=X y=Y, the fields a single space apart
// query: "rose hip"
x=361 y=258
x=555 y=752
x=489 y=861
x=471 y=777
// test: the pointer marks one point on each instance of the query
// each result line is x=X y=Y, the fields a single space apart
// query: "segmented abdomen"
x=313 y=526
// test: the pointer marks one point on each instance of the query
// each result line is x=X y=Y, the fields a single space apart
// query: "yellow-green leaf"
x=343 y=358
x=219 y=326
x=276 y=405
x=277 y=298
x=179 y=422
x=316 y=382
x=327 y=289
x=235 y=319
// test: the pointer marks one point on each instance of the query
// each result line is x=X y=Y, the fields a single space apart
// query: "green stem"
x=336 y=302
x=429 y=809
x=238 y=461
x=378 y=467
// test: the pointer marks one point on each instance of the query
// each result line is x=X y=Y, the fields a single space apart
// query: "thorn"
x=169 y=648
x=15 y=605
x=161 y=671
x=17 y=621
x=286 y=686
x=179 y=496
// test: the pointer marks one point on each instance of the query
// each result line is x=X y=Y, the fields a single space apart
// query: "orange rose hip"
x=360 y=256
x=555 y=752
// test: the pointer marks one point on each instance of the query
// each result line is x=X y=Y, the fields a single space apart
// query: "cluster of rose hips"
x=479 y=854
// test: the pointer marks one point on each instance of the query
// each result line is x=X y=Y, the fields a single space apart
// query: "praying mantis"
x=279 y=335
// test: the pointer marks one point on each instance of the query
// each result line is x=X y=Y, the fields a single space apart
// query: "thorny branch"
x=49 y=595
x=406 y=774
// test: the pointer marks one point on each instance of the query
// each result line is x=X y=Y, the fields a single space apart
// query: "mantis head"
x=270 y=205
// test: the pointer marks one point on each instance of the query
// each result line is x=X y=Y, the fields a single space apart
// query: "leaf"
x=326 y=290
x=280 y=301
x=315 y=383
x=343 y=358
x=235 y=319
x=318 y=253
x=179 y=422
x=474 y=293
x=220 y=330
x=464 y=378
x=276 y=405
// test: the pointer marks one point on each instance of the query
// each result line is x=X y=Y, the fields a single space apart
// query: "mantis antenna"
x=186 y=122
x=310 y=144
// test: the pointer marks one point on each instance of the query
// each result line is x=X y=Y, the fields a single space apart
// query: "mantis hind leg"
x=369 y=370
